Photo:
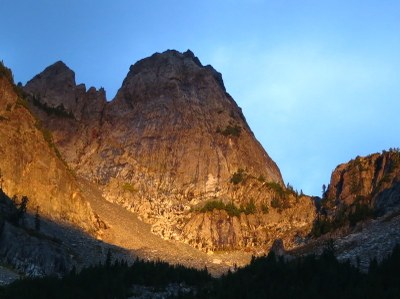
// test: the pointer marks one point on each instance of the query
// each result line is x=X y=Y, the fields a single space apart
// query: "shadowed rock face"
x=170 y=141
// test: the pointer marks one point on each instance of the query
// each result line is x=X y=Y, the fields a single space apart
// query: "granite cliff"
x=170 y=157
x=360 y=210
x=365 y=187
x=174 y=147
x=31 y=165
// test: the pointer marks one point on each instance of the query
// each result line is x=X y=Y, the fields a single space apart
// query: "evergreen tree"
x=323 y=191
x=37 y=219
x=108 y=258
x=1 y=180
x=21 y=211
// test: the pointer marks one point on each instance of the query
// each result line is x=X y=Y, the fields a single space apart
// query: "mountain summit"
x=174 y=147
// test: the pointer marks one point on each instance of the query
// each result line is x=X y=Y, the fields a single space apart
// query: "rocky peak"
x=366 y=185
x=56 y=91
x=171 y=96
x=58 y=71
x=175 y=72
x=55 y=86
x=170 y=142
x=170 y=58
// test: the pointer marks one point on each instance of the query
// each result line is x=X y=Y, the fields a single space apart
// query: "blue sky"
x=318 y=81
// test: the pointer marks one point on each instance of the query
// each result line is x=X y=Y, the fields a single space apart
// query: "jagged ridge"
x=170 y=141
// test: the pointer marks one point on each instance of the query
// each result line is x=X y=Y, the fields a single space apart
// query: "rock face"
x=373 y=181
x=30 y=166
x=360 y=211
x=170 y=142
x=278 y=213
x=174 y=148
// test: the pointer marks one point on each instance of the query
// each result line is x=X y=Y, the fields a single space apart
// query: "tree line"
x=265 y=277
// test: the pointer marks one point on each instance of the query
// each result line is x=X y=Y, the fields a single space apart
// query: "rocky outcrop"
x=55 y=92
x=373 y=181
x=257 y=214
x=30 y=164
x=170 y=142
x=364 y=188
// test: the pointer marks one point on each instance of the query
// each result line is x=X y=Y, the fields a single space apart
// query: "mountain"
x=169 y=169
x=30 y=164
x=174 y=147
x=31 y=167
x=372 y=181
x=360 y=210
x=361 y=189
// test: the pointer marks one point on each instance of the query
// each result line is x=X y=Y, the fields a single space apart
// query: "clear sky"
x=318 y=81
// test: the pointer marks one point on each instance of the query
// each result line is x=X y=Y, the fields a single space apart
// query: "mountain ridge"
x=174 y=149
x=171 y=141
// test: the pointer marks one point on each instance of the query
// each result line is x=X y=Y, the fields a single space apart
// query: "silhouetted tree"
x=108 y=258
x=23 y=206
x=1 y=180
x=1 y=224
x=19 y=210
x=37 y=219
x=306 y=277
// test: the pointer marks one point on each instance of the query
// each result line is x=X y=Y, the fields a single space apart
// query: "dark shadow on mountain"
x=36 y=246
